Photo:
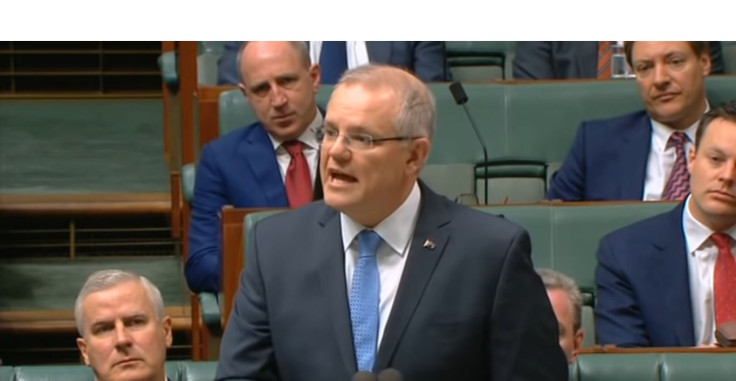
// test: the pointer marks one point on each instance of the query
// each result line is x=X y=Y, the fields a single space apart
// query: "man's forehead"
x=647 y=49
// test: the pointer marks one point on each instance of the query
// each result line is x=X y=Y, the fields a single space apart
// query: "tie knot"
x=368 y=241
x=294 y=147
x=722 y=241
x=678 y=139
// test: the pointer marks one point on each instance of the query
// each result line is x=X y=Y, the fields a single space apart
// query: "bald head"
x=254 y=50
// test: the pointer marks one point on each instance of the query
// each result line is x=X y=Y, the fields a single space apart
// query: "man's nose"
x=278 y=96
x=122 y=336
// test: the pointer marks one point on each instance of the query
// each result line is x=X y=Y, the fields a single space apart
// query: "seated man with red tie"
x=270 y=163
x=670 y=280
x=642 y=155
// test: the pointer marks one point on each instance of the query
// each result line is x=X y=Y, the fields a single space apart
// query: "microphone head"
x=456 y=88
x=390 y=374
x=364 y=376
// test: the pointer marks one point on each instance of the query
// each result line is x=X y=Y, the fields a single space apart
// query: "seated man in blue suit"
x=642 y=155
x=385 y=273
x=426 y=59
x=253 y=166
x=664 y=281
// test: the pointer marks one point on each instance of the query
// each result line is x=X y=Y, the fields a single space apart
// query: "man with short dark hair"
x=642 y=155
x=669 y=280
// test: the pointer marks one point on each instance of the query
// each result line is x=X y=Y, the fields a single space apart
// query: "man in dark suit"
x=426 y=59
x=642 y=155
x=123 y=328
x=660 y=282
x=385 y=273
x=574 y=59
x=253 y=166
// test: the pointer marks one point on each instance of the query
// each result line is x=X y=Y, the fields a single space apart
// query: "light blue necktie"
x=364 y=299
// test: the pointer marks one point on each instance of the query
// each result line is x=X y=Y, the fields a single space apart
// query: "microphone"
x=390 y=374
x=364 y=376
x=461 y=98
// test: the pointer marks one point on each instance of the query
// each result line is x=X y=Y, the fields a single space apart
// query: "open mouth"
x=338 y=177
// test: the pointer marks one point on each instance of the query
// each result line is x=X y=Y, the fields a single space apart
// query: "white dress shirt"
x=662 y=157
x=357 y=52
x=311 y=149
x=701 y=259
x=396 y=232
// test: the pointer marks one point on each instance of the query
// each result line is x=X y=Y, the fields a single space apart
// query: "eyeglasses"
x=356 y=141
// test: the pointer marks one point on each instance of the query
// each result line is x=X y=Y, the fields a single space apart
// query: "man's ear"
x=167 y=331
x=82 y=345
x=577 y=344
x=419 y=151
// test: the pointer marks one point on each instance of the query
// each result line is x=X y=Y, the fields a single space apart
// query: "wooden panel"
x=85 y=204
x=63 y=320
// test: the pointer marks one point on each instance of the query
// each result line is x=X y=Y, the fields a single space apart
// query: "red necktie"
x=724 y=280
x=298 y=179
x=605 y=52
x=678 y=184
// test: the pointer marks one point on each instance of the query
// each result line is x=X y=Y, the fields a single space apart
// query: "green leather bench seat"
x=654 y=367
x=588 y=367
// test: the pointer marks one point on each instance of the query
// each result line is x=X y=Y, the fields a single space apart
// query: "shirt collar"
x=697 y=234
x=309 y=136
x=662 y=133
x=395 y=230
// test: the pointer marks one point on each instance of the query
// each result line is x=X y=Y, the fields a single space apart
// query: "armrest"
x=211 y=315
x=168 y=65
x=188 y=174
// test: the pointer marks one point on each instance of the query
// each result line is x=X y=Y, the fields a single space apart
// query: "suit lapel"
x=670 y=277
x=428 y=244
x=260 y=156
x=334 y=287
x=634 y=157
x=378 y=51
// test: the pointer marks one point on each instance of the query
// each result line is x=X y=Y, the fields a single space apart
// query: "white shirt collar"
x=308 y=137
x=394 y=229
x=662 y=132
x=697 y=234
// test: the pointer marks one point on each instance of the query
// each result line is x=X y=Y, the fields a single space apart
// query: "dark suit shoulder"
x=628 y=121
x=641 y=231
x=253 y=132
x=297 y=220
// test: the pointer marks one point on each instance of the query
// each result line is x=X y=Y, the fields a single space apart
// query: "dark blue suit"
x=426 y=59
x=470 y=307
x=238 y=169
x=643 y=286
x=607 y=161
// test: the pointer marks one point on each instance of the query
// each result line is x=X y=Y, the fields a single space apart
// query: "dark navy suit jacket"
x=643 y=285
x=468 y=307
x=238 y=169
x=607 y=161
x=426 y=59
